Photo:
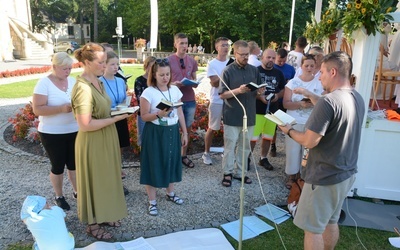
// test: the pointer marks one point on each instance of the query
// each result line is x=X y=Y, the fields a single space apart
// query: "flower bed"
x=25 y=124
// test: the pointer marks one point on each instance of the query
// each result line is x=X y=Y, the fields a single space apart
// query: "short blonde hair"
x=61 y=59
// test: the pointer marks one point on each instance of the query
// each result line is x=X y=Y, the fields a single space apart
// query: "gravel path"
x=207 y=202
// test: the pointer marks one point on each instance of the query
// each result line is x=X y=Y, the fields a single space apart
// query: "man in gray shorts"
x=214 y=71
x=332 y=136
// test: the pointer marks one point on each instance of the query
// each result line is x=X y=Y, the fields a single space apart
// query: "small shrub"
x=25 y=124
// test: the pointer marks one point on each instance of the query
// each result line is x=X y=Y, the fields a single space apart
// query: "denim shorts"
x=189 y=109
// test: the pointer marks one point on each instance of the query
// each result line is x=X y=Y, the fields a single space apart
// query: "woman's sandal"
x=96 y=231
x=175 y=199
x=247 y=180
x=187 y=162
x=227 y=182
x=111 y=224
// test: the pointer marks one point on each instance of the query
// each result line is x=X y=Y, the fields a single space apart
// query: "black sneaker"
x=265 y=163
x=61 y=202
x=272 y=153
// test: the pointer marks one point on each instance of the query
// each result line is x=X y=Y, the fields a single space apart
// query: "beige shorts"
x=214 y=116
x=321 y=205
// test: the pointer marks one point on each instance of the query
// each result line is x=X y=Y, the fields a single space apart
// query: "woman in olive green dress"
x=101 y=201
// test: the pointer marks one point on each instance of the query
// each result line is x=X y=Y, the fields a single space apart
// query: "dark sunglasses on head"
x=162 y=61
x=309 y=56
x=182 y=63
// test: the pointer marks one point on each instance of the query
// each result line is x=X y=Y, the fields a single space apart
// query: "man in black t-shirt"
x=266 y=103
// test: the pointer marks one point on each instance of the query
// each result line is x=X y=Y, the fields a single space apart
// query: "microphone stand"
x=244 y=130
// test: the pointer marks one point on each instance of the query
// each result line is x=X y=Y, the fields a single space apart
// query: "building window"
x=71 y=32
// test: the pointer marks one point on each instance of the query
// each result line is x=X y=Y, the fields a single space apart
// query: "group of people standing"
x=317 y=92
x=78 y=112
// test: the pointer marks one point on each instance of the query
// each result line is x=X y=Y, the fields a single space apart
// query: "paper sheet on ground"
x=273 y=213
x=217 y=149
x=252 y=227
x=137 y=244
x=395 y=241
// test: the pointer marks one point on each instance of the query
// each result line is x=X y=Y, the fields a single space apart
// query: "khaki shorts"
x=214 y=116
x=321 y=205
x=264 y=128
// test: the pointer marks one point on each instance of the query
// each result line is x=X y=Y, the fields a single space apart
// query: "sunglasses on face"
x=163 y=61
x=182 y=63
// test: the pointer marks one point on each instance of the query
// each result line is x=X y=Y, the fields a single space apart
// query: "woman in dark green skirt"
x=160 y=156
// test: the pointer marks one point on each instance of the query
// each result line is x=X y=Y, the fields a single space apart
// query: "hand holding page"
x=253 y=86
x=187 y=82
x=281 y=118
x=164 y=104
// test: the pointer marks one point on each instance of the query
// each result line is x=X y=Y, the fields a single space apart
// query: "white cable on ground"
x=265 y=199
x=355 y=222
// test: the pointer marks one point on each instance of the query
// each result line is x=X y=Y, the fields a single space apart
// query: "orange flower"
x=349 y=6
x=363 y=10
x=358 y=5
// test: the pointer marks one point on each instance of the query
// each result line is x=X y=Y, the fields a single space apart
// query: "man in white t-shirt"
x=255 y=52
x=294 y=56
x=214 y=71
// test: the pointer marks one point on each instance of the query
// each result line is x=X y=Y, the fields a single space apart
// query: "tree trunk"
x=81 y=24
x=95 y=21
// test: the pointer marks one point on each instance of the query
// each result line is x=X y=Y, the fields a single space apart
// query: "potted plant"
x=366 y=15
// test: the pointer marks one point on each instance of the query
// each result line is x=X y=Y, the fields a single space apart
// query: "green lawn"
x=25 y=88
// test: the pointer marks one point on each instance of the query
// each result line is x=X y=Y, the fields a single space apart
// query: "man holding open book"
x=235 y=93
x=184 y=66
x=267 y=102
x=214 y=70
x=332 y=135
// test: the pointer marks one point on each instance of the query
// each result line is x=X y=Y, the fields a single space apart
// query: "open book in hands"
x=187 y=82
x=130 y=110
x=253 y=86
x=164 y=104
x=281 y=118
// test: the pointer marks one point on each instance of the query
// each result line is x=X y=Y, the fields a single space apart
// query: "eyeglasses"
x=182 y=63
x=162 y=61
x=243 y=55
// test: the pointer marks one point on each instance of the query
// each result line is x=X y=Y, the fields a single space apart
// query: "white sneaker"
x=206 y=159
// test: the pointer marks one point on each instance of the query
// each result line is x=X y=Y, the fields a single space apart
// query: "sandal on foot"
x=98 y=232
x=153 y=210
x=111 y=224
x=187 y=162
x=227 y=182
x=175 y=199
x=247 y=180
